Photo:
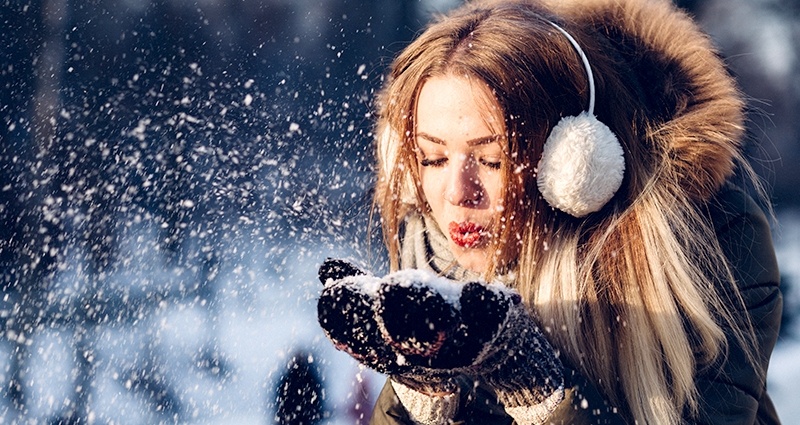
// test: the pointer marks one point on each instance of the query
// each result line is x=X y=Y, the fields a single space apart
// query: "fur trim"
x=694 y=113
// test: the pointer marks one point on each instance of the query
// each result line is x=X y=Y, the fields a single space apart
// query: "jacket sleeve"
x=733 y=390
x=582 y=405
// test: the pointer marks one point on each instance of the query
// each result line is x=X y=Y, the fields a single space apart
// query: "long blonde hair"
x=634 y=295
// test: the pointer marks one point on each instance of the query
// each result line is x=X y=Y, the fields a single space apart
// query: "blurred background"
x=172 y=173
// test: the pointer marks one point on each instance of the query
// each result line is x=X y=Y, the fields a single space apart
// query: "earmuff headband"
x=584 y=59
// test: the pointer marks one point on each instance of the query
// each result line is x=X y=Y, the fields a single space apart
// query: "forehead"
x=457 y=103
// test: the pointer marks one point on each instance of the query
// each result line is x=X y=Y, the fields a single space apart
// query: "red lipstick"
x=466 y=234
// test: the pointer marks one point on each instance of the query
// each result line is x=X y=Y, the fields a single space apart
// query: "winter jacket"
x=732 y=391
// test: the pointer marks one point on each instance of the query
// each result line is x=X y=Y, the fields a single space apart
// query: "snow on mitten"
x=336 y=269
x=421 y=317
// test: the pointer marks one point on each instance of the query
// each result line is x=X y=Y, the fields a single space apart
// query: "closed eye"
x=439 y=162
x=494 y=165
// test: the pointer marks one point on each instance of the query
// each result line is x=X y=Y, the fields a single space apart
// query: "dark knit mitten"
x=347 y=311
x=422 y=330
x=495 y=339
x=519 y=363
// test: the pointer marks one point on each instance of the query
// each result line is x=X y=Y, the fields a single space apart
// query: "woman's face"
x=460 y=139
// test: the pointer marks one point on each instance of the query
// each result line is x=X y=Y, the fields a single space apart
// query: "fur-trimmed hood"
x=693 y=110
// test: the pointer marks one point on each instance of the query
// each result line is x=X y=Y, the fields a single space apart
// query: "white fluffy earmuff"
x=582 y=162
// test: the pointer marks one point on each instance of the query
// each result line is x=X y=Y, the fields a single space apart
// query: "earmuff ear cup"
x=582 y=165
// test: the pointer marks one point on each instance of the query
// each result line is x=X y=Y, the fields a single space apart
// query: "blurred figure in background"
x=299 y=399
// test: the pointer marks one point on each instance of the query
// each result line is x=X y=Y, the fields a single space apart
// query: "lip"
x=466 y=234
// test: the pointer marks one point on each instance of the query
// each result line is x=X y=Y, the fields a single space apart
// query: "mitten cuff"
x=525 y=414
x=427 y=409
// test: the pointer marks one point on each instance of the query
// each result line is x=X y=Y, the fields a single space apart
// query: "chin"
x=473 y=259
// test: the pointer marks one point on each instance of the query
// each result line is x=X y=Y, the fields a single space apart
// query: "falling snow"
x=171 y=176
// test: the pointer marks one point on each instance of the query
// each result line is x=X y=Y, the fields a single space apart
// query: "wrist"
x=424 y=408
x=538 y=413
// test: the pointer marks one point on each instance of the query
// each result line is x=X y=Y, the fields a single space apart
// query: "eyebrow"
x=472 y=142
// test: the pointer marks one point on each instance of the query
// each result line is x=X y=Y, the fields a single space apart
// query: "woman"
x=587 y=155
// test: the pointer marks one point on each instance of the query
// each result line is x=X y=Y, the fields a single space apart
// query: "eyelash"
x=425 y=162
x=492 y=165
x=441 y=161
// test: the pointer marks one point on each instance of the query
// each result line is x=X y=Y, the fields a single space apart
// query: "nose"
x=464 y=186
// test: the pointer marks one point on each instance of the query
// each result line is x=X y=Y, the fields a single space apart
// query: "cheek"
x=493 y=186
x=431 y=186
